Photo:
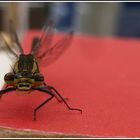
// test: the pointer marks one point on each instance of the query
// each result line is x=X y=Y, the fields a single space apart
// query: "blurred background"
x=115 y=19
x=95 y=18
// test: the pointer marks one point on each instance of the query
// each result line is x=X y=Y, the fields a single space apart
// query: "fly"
x=26 y=75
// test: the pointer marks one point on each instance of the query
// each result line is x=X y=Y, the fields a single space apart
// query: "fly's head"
x=24 y=81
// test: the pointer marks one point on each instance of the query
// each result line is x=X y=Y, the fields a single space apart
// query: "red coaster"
x=101 y=75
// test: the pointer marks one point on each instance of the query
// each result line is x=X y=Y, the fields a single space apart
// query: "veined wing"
x=44 y=48
x=10 y=41
x=38 y=47
x=56 y=50
x=14 y=36
x=5 y=43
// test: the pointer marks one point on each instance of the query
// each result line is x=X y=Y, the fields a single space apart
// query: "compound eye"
x=38 y=77
x=9 y=77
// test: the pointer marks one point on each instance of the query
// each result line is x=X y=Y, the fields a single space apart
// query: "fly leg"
x=50 y=88
x=7 y=90
x=64 y=101
x=46 y=101
x=45 y=86
x=5 y=87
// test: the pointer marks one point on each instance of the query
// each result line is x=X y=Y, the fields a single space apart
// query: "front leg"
x=5 y=87
x=52 y=89
x=64 y=101
x=42 y=89
x=45 y=89
x=3 y=91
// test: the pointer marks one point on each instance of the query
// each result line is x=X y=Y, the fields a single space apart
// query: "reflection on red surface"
x=99 y=75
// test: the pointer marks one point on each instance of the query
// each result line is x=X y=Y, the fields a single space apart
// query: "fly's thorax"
x=26 y=63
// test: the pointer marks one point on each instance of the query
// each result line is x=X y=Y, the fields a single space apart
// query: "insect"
x=25 y=75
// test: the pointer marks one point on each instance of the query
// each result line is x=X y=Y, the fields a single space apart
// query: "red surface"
x=99 y=75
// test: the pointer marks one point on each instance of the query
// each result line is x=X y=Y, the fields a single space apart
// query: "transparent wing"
x=9 y=42
x=55 y=51
x=8 y=56
x=40 y=45
x=14 y=38
x=6 y=44
x=44 y=48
